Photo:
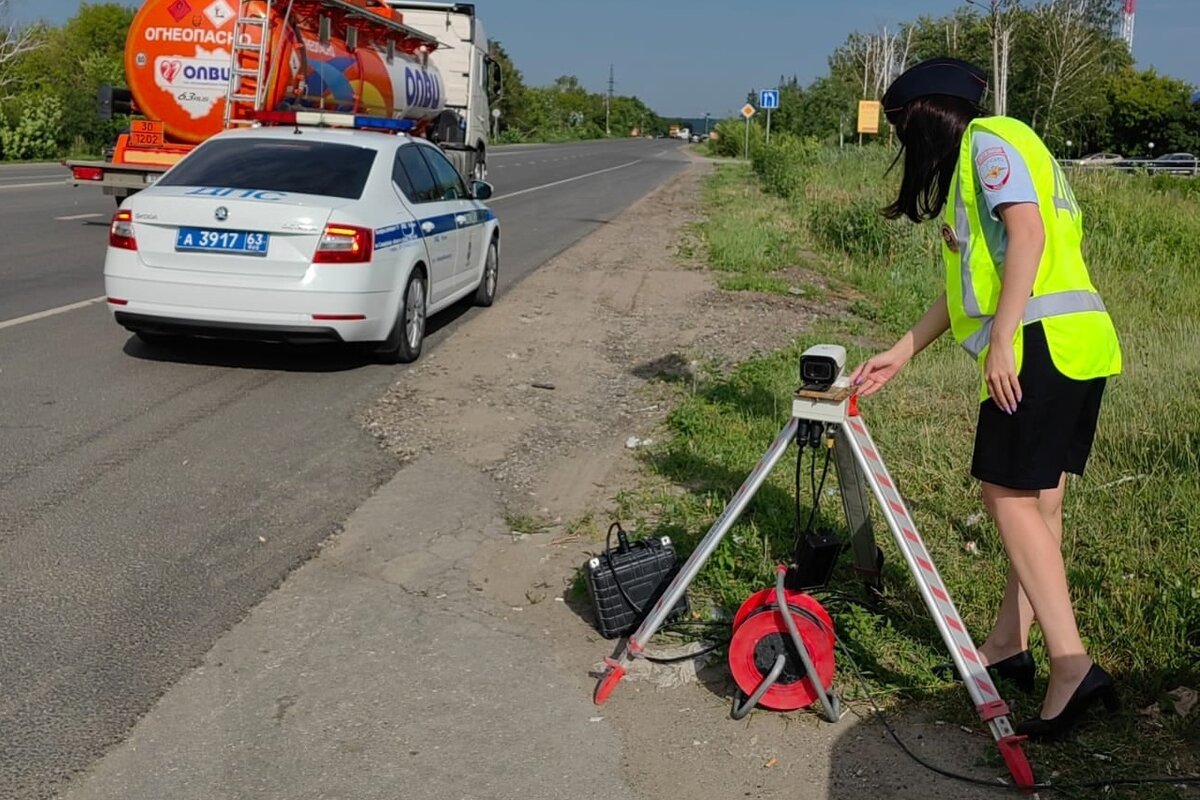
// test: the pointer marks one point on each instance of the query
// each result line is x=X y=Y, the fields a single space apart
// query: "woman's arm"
x=929 y=327
x=878 y=370
x=1026 y=241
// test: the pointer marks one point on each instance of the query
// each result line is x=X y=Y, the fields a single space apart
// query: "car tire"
x=404 y=344
x=485 y=295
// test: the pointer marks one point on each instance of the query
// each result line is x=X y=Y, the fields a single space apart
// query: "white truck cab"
x=472 y=80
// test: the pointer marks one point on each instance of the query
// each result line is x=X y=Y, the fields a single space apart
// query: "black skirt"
x=1051 y=431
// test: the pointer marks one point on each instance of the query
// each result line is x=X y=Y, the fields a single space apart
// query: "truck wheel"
x=480 y=172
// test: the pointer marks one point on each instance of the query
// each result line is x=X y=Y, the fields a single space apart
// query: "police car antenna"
x=825 y=412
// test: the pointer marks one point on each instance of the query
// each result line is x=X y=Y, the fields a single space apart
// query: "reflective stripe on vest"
x=1040 y=307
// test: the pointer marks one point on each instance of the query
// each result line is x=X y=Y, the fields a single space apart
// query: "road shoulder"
x=429 y=651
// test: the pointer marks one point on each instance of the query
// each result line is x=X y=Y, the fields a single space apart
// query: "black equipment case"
x=625 y=583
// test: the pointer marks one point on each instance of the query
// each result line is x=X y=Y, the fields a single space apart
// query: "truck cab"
x=472 y=80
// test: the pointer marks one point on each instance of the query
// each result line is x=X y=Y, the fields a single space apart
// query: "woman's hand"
x=877 y=371
x=1000 y=371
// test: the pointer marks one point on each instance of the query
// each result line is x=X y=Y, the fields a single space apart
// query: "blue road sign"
x=768 y=98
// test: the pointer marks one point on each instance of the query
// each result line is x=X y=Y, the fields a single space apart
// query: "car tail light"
x=120 y=234
x=345 y=244
x=87 y=173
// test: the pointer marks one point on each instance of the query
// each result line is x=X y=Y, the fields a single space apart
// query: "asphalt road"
x=149 y=498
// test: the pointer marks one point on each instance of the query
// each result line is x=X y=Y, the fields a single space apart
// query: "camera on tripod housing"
x=821 y=365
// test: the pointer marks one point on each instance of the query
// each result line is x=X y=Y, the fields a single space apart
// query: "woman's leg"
x=1036 y=558
x=1010 y=634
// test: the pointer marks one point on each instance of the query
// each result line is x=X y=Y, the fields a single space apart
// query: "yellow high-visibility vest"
x=1079 y=331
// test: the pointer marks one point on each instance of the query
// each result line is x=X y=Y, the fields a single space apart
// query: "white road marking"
x=565 y=180
x=50 y=312
x=31 y=185
x=78 y=216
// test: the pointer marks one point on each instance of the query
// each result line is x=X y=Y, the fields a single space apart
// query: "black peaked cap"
x=949 y=76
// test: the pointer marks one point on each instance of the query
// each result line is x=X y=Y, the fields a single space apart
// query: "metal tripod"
x=858 y=462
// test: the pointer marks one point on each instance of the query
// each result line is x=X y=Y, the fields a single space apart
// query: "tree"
x=1148 y=107
x=1000 y=16
x=513 y=103
x=1070 y=36
x=15 y=44
x=72 y=63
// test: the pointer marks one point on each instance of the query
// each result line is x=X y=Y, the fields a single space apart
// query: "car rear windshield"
x=321 y=168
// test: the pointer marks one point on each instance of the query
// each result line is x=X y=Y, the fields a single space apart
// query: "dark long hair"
x=930 y=130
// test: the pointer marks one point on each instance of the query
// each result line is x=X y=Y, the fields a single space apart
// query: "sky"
x=686 y=58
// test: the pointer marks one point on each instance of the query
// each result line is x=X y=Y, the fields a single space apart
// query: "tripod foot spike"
x=1017 y=763
x=613 y=676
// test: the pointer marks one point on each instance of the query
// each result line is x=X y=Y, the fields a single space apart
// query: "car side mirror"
x=479 y=190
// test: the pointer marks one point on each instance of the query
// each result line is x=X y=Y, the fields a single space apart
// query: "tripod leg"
x=868 y=558
x=991 y=707
x=687 y=573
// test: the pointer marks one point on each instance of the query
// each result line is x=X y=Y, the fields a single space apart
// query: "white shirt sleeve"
x=1002 y=173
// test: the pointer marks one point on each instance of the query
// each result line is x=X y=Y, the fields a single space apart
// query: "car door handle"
x=460 y=220
x=427 y=227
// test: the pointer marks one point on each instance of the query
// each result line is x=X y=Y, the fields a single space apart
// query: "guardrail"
x=1184 y=168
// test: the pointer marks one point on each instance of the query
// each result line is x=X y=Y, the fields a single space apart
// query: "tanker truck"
x=196 y=67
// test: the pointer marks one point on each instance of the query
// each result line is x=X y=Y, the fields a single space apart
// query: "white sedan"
x=294 y=234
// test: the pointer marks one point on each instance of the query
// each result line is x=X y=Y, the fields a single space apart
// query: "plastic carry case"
x=624 y=583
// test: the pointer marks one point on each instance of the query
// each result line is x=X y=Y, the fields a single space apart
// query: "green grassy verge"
x=1132 y=539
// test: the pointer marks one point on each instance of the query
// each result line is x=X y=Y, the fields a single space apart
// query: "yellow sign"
x=747 y=111
x=868 y=116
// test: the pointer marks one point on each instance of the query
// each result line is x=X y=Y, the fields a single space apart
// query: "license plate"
x=243 y=242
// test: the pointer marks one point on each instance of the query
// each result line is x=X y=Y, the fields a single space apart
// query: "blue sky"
x=688 y=57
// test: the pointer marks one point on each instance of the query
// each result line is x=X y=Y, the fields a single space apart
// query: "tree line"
x=49 y=75
x=1059 y=65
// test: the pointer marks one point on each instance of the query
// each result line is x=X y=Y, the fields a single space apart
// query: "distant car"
x=1101 y=160
x=295 y=234
x=1175 y=163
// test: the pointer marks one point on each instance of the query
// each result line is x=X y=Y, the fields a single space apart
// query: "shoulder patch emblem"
x=994 y=168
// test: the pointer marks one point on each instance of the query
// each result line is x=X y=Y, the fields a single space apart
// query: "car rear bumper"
x=235 y=331
x=249 y=314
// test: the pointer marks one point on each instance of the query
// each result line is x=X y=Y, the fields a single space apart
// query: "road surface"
x=149 y=498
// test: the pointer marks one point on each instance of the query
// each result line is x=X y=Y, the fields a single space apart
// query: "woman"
x=1019 y=299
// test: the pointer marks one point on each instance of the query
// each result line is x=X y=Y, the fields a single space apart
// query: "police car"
x=303 y=233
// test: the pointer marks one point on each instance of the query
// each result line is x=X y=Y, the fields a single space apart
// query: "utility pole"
x=608 y=102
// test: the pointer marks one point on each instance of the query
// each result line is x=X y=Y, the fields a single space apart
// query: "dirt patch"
x=545 y=389
x=550 y=392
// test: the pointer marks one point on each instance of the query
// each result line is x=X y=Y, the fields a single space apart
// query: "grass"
x=1132 y=542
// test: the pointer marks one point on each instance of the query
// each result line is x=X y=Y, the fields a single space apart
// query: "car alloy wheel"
x=414 y=314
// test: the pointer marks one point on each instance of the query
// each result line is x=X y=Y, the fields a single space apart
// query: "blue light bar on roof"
x=325 y=119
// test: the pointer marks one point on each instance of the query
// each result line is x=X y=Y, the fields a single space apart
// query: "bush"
x=36 y=131
x=731 y=138
x=783 y=164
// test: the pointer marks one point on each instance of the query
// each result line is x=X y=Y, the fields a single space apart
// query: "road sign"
x=747 y=111
x=768 y=98
x=868 y=116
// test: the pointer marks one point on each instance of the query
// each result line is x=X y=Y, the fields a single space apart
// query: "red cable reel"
x=760 y=635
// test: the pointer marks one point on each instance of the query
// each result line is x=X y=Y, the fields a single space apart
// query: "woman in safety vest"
x=1019 y=299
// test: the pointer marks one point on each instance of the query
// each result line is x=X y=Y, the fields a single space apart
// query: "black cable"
x=818 y=489
x=1037 y=787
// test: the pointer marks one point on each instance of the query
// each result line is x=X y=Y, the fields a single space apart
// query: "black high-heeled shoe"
x=1020 y=669
x=1096 y=685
